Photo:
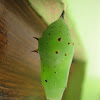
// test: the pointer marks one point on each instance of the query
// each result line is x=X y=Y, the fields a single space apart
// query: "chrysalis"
x=56 y=53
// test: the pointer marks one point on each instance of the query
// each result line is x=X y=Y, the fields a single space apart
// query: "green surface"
x=56 y=57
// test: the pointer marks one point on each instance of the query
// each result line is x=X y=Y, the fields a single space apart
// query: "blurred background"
x=20 y=69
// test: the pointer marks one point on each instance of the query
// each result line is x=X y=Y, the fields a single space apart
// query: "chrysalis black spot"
x=45 y=80
x=59 y=39
x=57 y=52
x=68 y=43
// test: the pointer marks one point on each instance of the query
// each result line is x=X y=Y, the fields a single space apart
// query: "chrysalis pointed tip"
x=36 y=38
x=62 y=15
x=35 y=51
x=64 y=9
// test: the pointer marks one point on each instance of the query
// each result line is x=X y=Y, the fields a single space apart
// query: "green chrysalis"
x=56 y=53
